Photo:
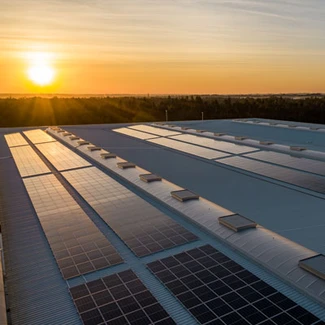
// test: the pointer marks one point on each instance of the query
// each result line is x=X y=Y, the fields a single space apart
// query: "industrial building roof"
x=119 y=224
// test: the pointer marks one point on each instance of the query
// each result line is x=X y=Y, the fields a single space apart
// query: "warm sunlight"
x=40 y=71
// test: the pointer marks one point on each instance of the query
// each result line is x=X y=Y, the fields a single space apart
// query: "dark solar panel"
x=295 y=177
x=308 y=165
x=143 y=228
x=118 y=299
x=217 y=290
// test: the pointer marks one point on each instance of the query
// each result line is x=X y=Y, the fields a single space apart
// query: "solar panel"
x=214 y=144
x=135 y=133
x=308 y=165
x=77 y=244
x=28 y=162
x=188 y=148
x=314 y=264
x=295 y=177
x=143 y=228
x=61 y=157
x=216 y=290
x=118 y=299
x=15 y=140
x=38 y=136
x=154 y=130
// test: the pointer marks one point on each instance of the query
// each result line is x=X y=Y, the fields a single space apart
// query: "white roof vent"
x=94 y=148
x=200 y=131
x=292 y=126
x=184 y=195
x=294 y=148
x=266 y=143
x=314 y=128
x=185 y=128
x=74 y=137
x=65 y=134
x=148 y=178
x=273 y=123
x=108 y=155
x=60 y=131
x=218 y=134
x=83 y=142
x=240 y=138
x=237 y=222
x=125 y=165
x=315 y=265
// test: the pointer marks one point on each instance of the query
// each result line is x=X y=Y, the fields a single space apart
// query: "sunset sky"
x=160 y=47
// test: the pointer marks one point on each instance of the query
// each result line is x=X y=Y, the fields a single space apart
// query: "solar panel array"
x=118 y=299
x=15 y=140
x=77 y=244
x=143 y=228
x=61 y=157
x=38 y=136
x=216 y=290
x=28 y=162
x=308 y=165
x=135 y=133
x=189 y=148
x=154 y=130
x=214 y=144
x=308 y=181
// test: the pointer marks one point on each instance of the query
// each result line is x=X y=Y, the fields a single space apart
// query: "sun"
x=41 y=75
x=40 y=70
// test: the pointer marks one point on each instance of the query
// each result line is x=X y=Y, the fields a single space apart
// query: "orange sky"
x=170 y=46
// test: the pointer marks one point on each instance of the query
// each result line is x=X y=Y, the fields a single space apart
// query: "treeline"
x=52 y=111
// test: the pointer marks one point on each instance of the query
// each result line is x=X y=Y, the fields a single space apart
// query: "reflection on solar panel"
x=216 y=290
x=214 y=144
x=61 y=157
x=308 y=165
x=143 y=228
x=308 y=181
x=38 y=136
x=135 y=134
x=15 y=140
x=154 y=130
x=28 y=162
x=77 y=244
x=118 y=299
x=189 y=148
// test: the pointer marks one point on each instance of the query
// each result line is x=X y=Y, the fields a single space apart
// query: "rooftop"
x=87 y=240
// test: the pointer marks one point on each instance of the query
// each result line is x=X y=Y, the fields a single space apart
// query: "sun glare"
x=40 y=71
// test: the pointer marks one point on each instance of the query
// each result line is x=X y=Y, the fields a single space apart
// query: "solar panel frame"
x=15 y=140
x=28 y=162
x=217 y=290
x=120 y=298
x=61 y=157
x=77 y=244
x=143 y=228
x=38 y=136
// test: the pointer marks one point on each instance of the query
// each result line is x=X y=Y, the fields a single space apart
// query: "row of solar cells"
x=207 y=148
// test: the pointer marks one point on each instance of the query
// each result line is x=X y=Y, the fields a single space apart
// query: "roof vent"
x=65 y=134
x=74 y=137
x=94 y=148
x=60 y=131
x=200 y=131
x=83 y=142
x=107 y=155
x=240 y=138
x=297 y=148
x=237 y=222
x=217 y=134
x=314 y=128
x=315 y=265
x=184 y=195
x=148 y=178
x=292 y=126
x=185 y=128
x=266 y=143
x=125 y=165
x=272 y=123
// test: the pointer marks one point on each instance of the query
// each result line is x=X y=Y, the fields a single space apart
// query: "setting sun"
x=41 y=75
